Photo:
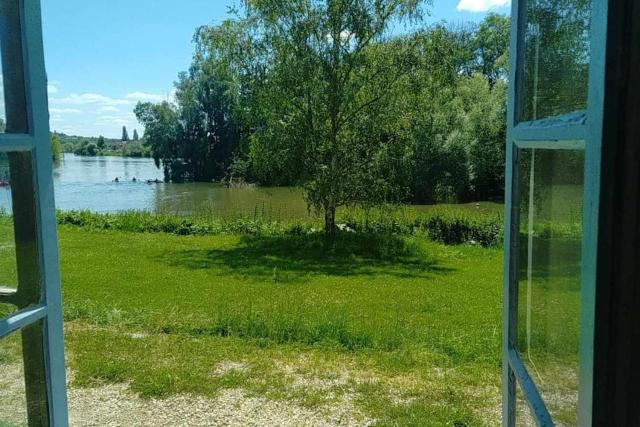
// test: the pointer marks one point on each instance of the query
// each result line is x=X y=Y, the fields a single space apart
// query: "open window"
x=572 y=215
x=30 y=292
x=550 y=213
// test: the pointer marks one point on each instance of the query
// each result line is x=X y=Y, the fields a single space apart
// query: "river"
x=83 y=182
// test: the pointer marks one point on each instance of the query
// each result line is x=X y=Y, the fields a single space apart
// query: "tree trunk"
x=330 y=219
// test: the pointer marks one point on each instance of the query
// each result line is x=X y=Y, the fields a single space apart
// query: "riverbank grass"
x=389 y=328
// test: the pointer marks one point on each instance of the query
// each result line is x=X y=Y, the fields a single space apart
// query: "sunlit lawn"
x=406 y=330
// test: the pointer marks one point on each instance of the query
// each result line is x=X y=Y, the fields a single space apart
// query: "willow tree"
x=320 y=78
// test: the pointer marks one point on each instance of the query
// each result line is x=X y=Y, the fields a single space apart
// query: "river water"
x=82 y=182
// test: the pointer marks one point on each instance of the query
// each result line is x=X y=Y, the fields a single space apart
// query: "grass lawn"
x=402 y=330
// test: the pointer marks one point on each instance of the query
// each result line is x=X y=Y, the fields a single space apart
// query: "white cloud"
x=481 y=5
x=109 y=109
x=91 y=114
x=88 y=99
x=65 y=110
x=52 y=88
x=143 y=96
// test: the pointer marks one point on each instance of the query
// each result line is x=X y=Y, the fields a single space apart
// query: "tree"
x=91 y=149
x=201 y=125
x=56 y=147
x=2 y=125
x=162 y=130
x=101 y=142
x=322 y=72
x=125 y=135
x=490 y=45
x=484 y=129
x=135 y=135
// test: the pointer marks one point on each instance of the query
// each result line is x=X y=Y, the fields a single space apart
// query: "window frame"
x=553 y=133
x=35 y=138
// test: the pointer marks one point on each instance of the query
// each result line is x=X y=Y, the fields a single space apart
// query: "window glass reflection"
x=556 y=58
x=549 y=258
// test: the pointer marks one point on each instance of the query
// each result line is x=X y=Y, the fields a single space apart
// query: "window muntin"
x=555 y=69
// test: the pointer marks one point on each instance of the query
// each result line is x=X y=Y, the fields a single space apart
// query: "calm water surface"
x=83 y=182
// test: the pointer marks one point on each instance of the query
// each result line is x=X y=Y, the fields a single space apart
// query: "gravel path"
x=114 y=405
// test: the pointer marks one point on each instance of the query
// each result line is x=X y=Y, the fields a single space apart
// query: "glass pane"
x=556 y=58
x=8 y=268
x=18 y=238
x=524 y=417
x=13 y=405
x=549 y=257
x=13 y=109
x=3 y=116
x=23 y=391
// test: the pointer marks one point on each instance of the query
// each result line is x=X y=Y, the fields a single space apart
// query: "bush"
x=443 y=224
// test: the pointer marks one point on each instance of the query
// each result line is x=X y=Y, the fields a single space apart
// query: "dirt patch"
x=114 y=405
x=228 y=366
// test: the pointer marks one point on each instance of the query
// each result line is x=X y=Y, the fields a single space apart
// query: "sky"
x=103 y=56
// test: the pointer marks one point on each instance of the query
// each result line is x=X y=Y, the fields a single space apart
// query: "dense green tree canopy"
x=326 y=95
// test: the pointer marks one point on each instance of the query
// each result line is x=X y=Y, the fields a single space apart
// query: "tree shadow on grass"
x=289 y=258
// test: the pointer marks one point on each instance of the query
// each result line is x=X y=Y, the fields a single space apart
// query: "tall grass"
x=446 y=225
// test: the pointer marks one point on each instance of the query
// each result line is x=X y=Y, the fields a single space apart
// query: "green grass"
x=445 y=224
x=412 y=326
x=405 y=328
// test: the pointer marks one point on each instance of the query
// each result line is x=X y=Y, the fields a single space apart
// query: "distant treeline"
x=101 y=146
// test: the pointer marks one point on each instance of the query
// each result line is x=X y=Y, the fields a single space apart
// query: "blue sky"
x=103 y=56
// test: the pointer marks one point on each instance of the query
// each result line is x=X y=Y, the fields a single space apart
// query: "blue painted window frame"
x=579 y=130
x=37 y=141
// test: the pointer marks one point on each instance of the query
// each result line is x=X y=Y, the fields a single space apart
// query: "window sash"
x=28 y=130
x=581 y=131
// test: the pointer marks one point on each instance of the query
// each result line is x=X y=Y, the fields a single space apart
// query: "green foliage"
x=447 y=225
x=195 y=138
x=489 y=44
x=56 y=147
x=101 y=146
x=321 y=95
x=135 y=135
x=324 y=79
x=125 y=134
x=135 y=149
x=87 y=148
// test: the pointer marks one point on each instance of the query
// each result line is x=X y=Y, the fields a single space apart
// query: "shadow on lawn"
x=289 y=257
